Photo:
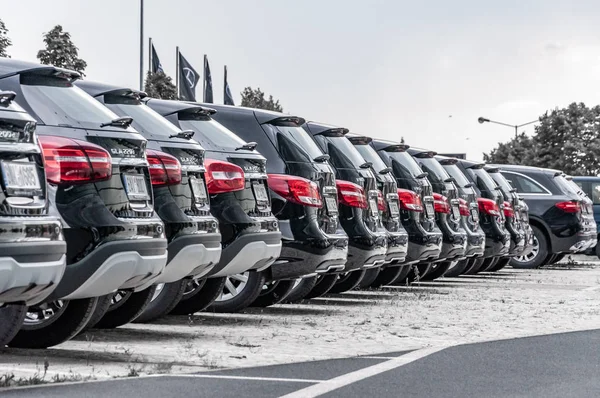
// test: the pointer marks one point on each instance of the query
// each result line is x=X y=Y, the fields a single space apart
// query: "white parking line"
x=361 y=374
x=250 y=378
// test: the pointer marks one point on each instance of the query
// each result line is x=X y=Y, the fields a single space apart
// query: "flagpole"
x=224 y=82
x=204 y=81
x=150 y=54
x=177 y=69
x=141 y=44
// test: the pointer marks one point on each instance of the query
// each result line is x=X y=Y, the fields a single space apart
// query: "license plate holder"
x=136 y=187
x=21 y=178
x=475 y=215
x=260 y=193
x=331 y=205
x=394 y=210
x=373 y=207
x=198 y=189
x=455 y=211
x=429 y=210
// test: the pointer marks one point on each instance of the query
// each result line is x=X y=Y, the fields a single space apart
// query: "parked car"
x=395 y=268
x=32 y=248
x=359 y=212
x=417 y=209
x=447 y=212
x=555 y=214
x=304 y=200
x=591 y=187
x=99 y=185
x=491 y=211
x=236 y=177
x=178 y=181
x=469 y=212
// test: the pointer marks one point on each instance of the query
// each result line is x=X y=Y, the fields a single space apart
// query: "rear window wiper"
x=248 y=146
x=422 y=175
x=185 y=134
x=469 y=185
x=366 y=165
x=450 y=179
x=321 y=158
x=387 y=170
x=6 y=97
x=122 y=122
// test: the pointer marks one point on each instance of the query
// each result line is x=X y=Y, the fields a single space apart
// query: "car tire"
x=239 y=292
x=539 y=255
x=458 y=269
x=323 y=286
x=387 y=276
x=125 y=310
x=415 y=274
x=101 y=309
x=475 y=266
x=67 y=322
x=198 y=295
x=301 y=289
x=273 y=292
x=556 y=258
x=11 y=319
x=502 y=262
x=165 y=298
x=488 y=264
x=437 y=270
x=348 y=281
x=369 y=278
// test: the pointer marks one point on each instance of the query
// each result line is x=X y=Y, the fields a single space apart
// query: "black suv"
x=555 y=214
x=32 y=248
x=417 y=206
x=180 y=198
x=304 y=200
x=359 y=211
x=236 y=177
x=99 y=185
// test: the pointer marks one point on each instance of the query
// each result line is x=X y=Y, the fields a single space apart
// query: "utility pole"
x=141 y=45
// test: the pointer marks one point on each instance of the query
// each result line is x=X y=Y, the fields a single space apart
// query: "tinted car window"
x=300 y=138
x=455 y=173
x=369 y=154
x=407 y=163
x=523 y=184
x=596 y=192
x=504 y=184
x=144 y=119
x=345 y=149
x=483 y=179
x=209 y=133
x=434 y=168
x=565 y=185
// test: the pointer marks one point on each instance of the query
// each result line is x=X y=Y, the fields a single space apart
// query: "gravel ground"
x=507 y=304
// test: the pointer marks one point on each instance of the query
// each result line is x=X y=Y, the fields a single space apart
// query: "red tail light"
x=223 y=177
x=381 y=202
x=441 y=204
x=409 y=200
x=508 y=210
x=488 y=206
x=463 y=206
x=350 y=194
x=164 y=168
x=569 y=207
x=296 y=189
x=69 y=161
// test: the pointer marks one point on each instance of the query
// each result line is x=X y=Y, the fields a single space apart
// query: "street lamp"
x=482 y=120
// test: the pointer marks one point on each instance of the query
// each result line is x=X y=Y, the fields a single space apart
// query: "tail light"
x=440 y=204
x=463 y=206
x=569 y=207
x=164 y=168
x=69 y=161
x=488 y=206
x=508 y=210
x=223 y=177
x=350 y=194
x=296 y=189
x=409 y=200
x=381 y=202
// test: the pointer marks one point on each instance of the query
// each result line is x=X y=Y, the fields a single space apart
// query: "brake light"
x=488 y=206
x=409 y=200
x=463 y=206
x=69 y=161
x=164 y=168
x=508 y=210
x=350 y=194
x=296 y=189
x=223 y=177
x=381 y=202
x=440 y=204
x=569 y=207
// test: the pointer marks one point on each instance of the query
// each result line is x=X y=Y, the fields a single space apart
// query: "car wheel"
x=301 y=289
x=488 y=264
x=415 y=274
x=502 y=262
x=369 y=278
x=437 y=270
x=323 y=286
x=475 y=266
x=555 y=259
x=198 y=295
x=348 y=281
x=125 y=306
x=101 y=309
x=388 y=275
x=457 y=268
x=49 y=324
x=165 y=298
x=239 y=292
x=11 y=319
x=539 y=254
x=274 y=292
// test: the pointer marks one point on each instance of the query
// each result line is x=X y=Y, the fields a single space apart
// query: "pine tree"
x=256 y=99
x=4 y=40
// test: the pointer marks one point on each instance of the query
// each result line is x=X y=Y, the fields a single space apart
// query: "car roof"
x=263 y=116
x=380 y=144
x=168 y=107
x=316 y=128
x=96 y=88
x=11 y=67
x=414 y=151
x=521 y=168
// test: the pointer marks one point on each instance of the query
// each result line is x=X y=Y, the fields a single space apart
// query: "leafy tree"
x=159 y=85
x=4 y=40
x=517 y=151
x=60 y=51
x=256 y=99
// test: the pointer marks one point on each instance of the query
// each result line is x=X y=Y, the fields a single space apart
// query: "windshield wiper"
x=122 y=122
x=450 y=179
x=321 y=158
x=366 y=165
x=249 y=146
x=185 y=134
x=422 y=175
x=387 y=170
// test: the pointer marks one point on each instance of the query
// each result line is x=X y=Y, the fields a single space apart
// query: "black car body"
x=357 y=195
x=446 y=205
x=178 y=184
x=312 y=236
x=425 y=238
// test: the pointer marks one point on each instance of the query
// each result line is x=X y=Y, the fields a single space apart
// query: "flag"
x=208 y=91
x=227 y=97
x=188 y=79
x=156 y=66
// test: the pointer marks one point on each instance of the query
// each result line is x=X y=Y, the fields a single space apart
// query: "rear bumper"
x=397 y=248
x=191 y=255
x=426 y=246
x=30 y=271
x=126 y=264
x=366 y=252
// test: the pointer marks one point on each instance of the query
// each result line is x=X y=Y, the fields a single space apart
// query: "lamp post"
x=141 y=44
x=482 y=120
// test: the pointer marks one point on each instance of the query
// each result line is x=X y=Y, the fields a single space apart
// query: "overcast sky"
x=422 y=70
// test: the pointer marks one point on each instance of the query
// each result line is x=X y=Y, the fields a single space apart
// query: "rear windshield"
x=434 y=169
x=407 y=162
x=370 y=155
x=483 y=179
x=297 y=137
x=211 y=134
x=502 y=182
x=455 y=173
x=565 y=185
x=347 y=150
x=57 y=102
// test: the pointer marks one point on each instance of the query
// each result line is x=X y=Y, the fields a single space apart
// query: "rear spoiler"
x=395 y=148
x=359 y=139
x=446 y=161
x=424 y=154
x=295 y=121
